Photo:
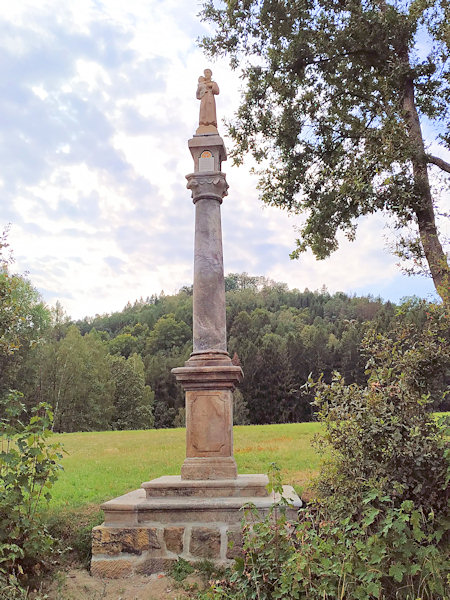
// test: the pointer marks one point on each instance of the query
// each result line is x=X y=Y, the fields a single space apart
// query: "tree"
x=132 y=398
x=75 y=378
x=23 y=319
x=168 y=335
x=124 y=344
x=335 y=94
x=240 y=409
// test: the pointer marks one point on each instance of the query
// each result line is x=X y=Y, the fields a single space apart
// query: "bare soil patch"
x=77 y=584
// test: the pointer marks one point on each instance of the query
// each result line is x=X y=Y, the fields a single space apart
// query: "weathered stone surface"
x=205 y=467
x=208 y=186
x=214 y=143
x=197 y=376
x=205 y=542
x=111 y=569
x=103 y=543
x=209 y=316
x=208 y=426
x=112 y=541
x=134 y=520
x=173 y=537
x=154 y=565
x=140 y=539
x=243 y=486
x=179 y=509
x=234 y=546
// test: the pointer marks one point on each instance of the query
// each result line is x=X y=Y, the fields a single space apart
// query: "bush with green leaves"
x=384 y=435
x=377 y=528
x=29 y=465
x=387 y=553
x=265 y=569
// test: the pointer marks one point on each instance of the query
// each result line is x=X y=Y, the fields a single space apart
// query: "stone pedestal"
x=197 y=515
x=209 y=420
x=145 y=531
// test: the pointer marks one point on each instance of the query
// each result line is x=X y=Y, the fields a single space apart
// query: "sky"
x=97 y=104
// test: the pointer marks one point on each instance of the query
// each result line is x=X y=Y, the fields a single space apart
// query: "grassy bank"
x=101 y=465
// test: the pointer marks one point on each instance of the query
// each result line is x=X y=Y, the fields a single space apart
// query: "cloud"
x=116 y=264
x=97 y=102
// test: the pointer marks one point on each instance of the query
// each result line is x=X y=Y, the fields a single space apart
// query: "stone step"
x=135 y=508
x=173 y=485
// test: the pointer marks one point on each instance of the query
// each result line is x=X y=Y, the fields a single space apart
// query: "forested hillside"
x=112 y=371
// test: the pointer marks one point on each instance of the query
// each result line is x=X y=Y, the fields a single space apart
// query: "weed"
x=180 y=570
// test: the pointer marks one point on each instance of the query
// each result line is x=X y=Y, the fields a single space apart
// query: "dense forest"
x=113 y=371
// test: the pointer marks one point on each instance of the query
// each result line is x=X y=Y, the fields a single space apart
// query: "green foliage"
x=72 y=530
x=417 y=345
x=240 y=409
x=181 y=569
x=23 y=320
x=29 y=466
x=265 y=569
x=10 y=588
x=132 y=399
x=169 y=333
x=386 y=553
x=378 y=527
x=124 y=344
x=279 y=336
x=383 y=434
x=75 y=378
x=331 y=109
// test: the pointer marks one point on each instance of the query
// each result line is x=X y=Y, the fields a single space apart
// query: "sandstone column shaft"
x=209 y=318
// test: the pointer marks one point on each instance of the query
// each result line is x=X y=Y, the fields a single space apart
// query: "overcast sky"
x=97 y=104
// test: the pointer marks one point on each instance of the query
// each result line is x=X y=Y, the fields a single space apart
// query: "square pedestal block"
x=146 y=530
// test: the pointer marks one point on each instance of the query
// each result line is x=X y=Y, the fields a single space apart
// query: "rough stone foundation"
x=144 y=534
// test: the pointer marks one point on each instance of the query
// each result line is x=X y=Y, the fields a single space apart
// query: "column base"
x=209 y=358
x=145 y=534
x=219 y=467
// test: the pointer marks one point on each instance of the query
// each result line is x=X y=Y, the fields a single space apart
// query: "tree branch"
x=439 y=162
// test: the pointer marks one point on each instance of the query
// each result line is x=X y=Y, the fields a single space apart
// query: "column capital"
x=211 y=185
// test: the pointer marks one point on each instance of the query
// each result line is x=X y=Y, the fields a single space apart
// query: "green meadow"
x=99 y=466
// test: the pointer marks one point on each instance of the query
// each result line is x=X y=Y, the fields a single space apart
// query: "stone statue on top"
x=206 y=90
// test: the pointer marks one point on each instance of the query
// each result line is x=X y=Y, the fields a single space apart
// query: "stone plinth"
x=209 y=417
x=146 y=530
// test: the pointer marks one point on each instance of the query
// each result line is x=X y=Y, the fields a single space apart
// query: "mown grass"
x=99 y=466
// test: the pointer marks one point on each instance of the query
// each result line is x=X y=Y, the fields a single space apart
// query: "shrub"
x=376 y=530
x=384 y=435
x=267 y=565
x=29 y=465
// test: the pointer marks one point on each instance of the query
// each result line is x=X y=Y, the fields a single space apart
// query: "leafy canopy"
x=334 y=93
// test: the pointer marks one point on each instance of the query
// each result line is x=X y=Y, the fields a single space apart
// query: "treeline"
x=113 y=371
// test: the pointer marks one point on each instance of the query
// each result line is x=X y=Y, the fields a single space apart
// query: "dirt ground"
x=77 y=584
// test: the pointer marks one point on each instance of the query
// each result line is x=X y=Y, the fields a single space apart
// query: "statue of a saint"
x=206 y=90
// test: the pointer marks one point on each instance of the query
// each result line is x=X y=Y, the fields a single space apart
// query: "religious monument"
x=196 y=515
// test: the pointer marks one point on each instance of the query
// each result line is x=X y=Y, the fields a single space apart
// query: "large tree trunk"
x=434 y=253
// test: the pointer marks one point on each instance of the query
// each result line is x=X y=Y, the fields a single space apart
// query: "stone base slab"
x=174 y=485
x=202 y=468
x=143 y=535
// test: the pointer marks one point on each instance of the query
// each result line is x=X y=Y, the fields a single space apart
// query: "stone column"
x=208 y=377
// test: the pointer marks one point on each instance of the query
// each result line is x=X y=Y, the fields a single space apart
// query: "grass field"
x=102 y=465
